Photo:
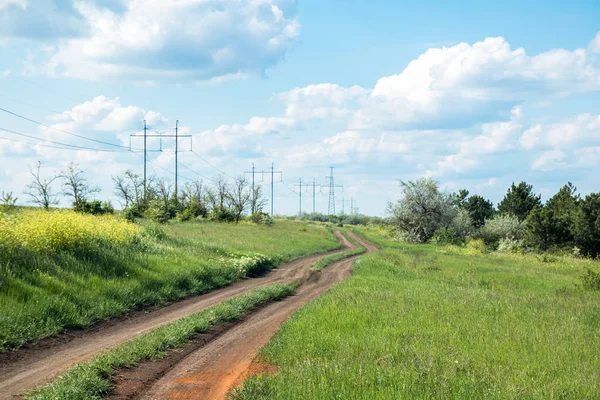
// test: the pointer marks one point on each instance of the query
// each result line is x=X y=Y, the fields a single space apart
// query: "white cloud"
x=595 y=44
x=549 y=160
x=18 y=3
x=188 y=40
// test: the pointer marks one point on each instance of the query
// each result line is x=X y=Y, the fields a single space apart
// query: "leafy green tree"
x=479 y=209
x=563 y=206
x=421 y=210
x=539 y=228
x=551 y=225
x=459 y=199
x=519 y=201
x=586 y=225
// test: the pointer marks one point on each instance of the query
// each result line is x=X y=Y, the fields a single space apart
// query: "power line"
x=45 y=145
x=67 y=146
x=63 y=131
x=209 y=164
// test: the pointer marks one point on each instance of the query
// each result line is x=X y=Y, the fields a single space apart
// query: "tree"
x=563 y=206
x=479 y=209
x=460 y=198
x=257 y=201
x=551 y=225
x=239 y=197
x=586 y=225
x=539 y=228
x=40 y=190
x=76 y=186
x=421 y=210
x=519 y=201
x=129 y=187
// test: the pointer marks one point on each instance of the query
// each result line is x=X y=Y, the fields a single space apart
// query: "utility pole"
x=314 y=186
x=145 y=157
x=351 y=205
x=344 y=205
x=253 y=191
x=176 y=152
x=272 y=172
x=176 y=136
x=300 y=202
x=332 y=186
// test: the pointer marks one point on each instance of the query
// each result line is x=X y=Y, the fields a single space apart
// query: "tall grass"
x=419 y=321
x=60 y=270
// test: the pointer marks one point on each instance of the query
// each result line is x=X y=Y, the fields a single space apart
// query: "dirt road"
x=210 y=371
x=28 y=368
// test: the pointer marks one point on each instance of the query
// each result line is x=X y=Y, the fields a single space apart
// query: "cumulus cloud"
x=157 y=40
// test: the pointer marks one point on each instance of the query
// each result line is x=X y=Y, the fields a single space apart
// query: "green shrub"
x=591 y=279
x=94 y=207
x=501 y=227
x=221 y=214
x=7 y=202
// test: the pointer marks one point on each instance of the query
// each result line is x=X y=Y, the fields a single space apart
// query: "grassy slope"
x=92 y=380
x=41 y=295
x=424 y=322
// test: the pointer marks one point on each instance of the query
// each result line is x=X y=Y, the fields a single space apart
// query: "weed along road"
x=212 y=370
x=27 y=368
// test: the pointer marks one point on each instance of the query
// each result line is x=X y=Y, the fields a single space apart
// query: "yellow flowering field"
x=45 y=231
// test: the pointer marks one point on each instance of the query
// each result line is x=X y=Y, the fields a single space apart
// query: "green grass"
x=330 y=259
x=42 y=294
x=92 y=380
x=427 y=322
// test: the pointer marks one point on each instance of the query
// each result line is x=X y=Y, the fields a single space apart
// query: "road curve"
x=33 y=367
x=211 y=371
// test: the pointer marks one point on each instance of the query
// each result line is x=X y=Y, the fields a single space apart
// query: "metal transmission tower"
x=344 y=202
x=176 y=136
x=332 y=186
x=272 y=172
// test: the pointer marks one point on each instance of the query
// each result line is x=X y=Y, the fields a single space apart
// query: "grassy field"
x=92 y=380
x=61 y=270
x=420 y=321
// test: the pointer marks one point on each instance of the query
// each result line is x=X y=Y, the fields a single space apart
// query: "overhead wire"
x=66 y=145
x=63 y=131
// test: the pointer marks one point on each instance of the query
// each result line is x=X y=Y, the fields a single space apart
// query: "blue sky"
x=474 y=94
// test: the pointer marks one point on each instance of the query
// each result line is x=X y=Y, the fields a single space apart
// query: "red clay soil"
x=27 y=368
x=214 y=367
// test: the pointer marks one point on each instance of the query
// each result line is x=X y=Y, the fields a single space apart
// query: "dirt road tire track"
x=213 y=369
x=28 y=368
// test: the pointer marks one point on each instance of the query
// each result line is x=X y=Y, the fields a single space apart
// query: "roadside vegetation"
x=431 y=321
x=92 y=380
x=63 y=269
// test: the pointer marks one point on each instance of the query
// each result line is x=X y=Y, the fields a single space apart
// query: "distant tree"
x=519 y=201
x=129 y=188
x=421 y=210
x=552 y=225
x=257 y=201
x=460 y=198
x=479 y=209
x=239 y=197
x=586 y=225
x=40 y=190
x=539 y=228
x=76 y=187
x=563 y=206
x=8 y=202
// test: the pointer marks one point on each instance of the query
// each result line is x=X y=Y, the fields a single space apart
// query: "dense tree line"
x=565 y=222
